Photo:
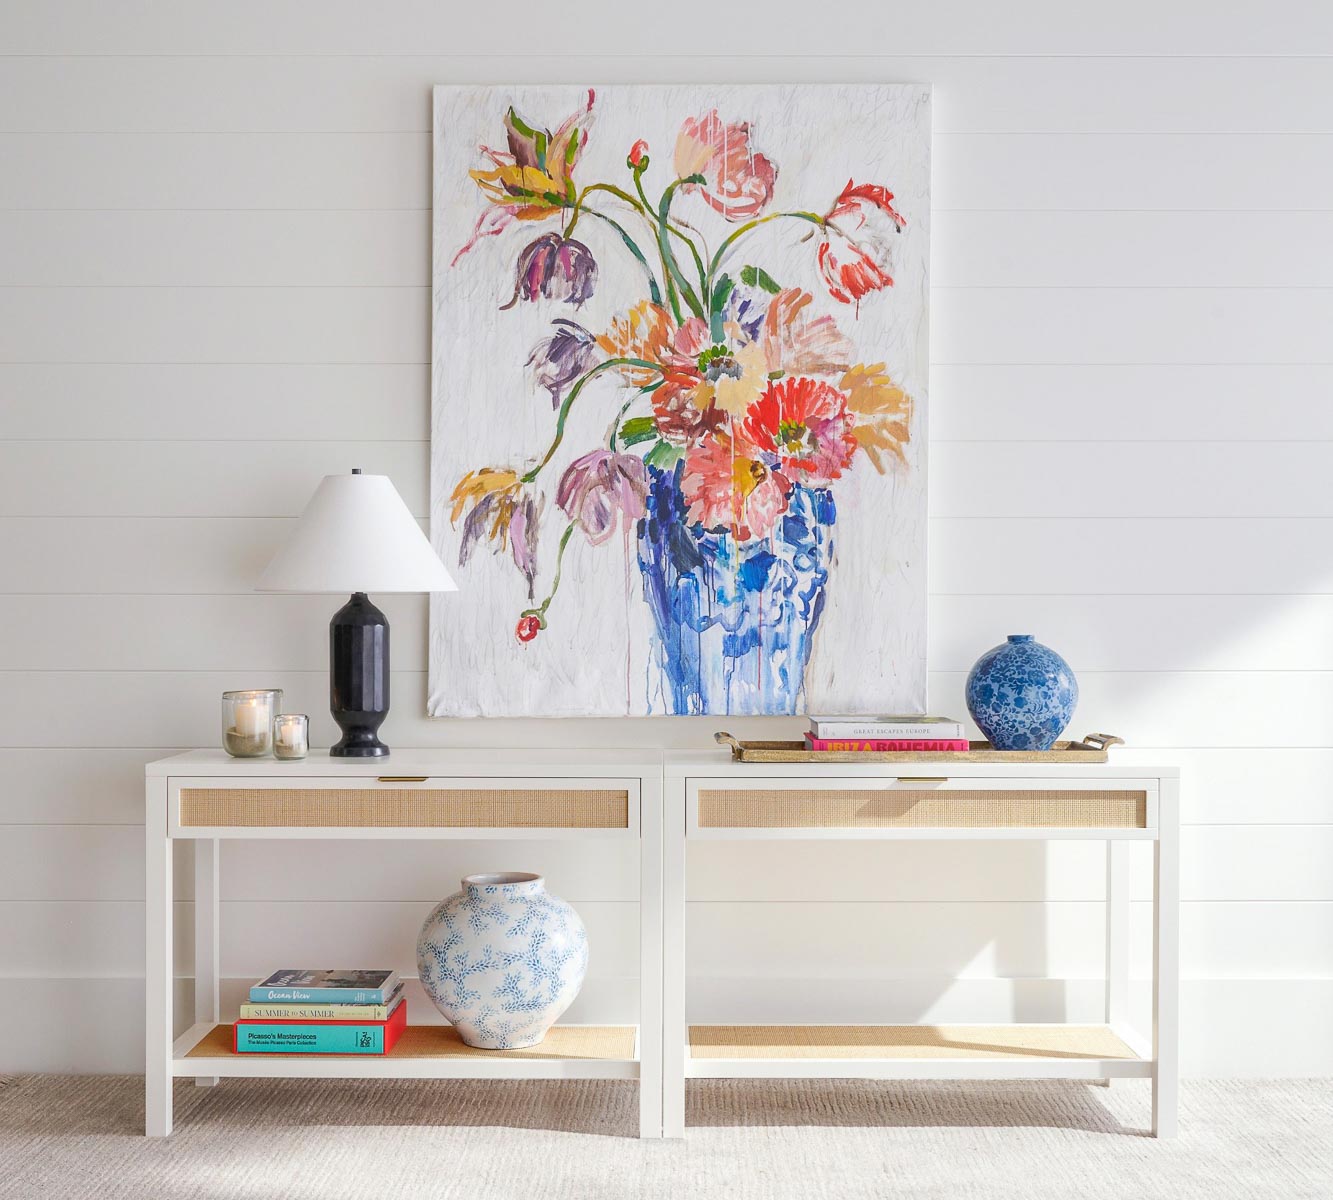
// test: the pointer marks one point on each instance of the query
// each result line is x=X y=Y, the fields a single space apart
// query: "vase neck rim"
x=513 y=882
x=1020 y=638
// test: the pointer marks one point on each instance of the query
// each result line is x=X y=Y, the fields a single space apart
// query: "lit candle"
x=250 y=718
x=291 y=737
x=247 y=721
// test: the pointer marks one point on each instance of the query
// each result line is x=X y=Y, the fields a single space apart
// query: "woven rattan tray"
x=1092 y=749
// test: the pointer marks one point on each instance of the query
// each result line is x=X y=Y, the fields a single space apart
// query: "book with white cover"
x=909 y=727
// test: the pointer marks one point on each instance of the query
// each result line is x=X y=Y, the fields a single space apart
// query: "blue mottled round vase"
x=1021 y=694
x=502 y=959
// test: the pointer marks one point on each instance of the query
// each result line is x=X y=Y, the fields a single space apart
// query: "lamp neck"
x=359 y=610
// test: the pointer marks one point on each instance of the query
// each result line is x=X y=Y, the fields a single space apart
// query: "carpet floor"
x=80 y=1136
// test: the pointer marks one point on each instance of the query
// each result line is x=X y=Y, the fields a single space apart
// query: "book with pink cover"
x=888 y=745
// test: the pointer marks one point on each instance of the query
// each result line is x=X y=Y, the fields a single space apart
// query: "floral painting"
x=679 y=391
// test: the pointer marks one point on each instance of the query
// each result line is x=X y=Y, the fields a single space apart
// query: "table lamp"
x=356 y=535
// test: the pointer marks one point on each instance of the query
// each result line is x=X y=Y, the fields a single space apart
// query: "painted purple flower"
x=502 y=513
x=523 y=538
x=600 y=487
x=560 y=359
x=554 y=268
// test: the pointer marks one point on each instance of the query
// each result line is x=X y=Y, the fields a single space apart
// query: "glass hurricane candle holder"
x=291 y=735
x=247 y=721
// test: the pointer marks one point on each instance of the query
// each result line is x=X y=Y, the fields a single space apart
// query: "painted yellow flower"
x=887 y=408
x=533 y=178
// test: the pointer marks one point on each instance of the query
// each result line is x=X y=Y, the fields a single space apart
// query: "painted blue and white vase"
x=1021 y=694
x=502 y=959
x=733 y=620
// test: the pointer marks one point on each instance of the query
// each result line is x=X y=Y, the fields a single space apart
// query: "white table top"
x=473 y=760
x=605 y=761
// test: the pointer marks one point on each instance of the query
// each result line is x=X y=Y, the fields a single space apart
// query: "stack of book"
x=322 y=1012
x=880 y=734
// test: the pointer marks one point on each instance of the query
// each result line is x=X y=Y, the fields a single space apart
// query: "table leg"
x=207 y=1006
x=1117 y=934
x=650 y=959
x=675 y=1032
x=1166 y=964
x=158 y=969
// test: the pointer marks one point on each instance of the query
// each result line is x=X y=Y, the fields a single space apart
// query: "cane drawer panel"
x=921 y=808
x=418 y=808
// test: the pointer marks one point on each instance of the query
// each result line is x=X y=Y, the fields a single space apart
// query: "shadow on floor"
x=1055 y=1104
x=98 y=1105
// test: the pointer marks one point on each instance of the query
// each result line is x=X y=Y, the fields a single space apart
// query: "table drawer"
x=956 y=805
x=446 y=804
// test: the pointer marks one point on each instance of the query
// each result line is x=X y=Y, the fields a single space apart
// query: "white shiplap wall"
x=214 y=269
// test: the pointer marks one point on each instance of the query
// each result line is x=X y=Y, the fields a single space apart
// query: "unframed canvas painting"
x=679 y=391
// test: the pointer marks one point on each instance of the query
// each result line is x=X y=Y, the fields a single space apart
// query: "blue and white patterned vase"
x=502 y=959
x=734 y=621
x=1021 y=694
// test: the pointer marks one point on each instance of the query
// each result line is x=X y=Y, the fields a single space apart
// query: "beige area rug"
x=79 y=1137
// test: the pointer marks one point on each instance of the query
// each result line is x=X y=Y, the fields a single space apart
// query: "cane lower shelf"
x=423 y=1052
x=910 y=1051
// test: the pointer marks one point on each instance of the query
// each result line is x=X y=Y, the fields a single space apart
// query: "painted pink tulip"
x=601 y=489
x=523 y=531
x=554 y=268
x=738 y=181
x=728 y=485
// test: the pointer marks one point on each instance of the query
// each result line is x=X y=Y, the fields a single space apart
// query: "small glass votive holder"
x=291 y=735
x=247 y=721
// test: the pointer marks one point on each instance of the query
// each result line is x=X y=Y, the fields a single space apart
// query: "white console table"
x=708 y=796
x=205 y=796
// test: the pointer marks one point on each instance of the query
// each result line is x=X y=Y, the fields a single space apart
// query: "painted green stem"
x=618 y=193
x=645 y=211
x=569 y=403
x=540 y=611
x=813 y=218
x=664 y=245
x=676 y=229
x=654 y=292
x=620 y=416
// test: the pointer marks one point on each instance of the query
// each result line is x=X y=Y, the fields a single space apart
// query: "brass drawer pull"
x=403 y=778
x=923 y=779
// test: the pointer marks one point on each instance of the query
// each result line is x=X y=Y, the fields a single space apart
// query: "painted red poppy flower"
x=806 y=425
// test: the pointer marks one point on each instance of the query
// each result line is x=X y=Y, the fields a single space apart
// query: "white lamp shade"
x=356 y=535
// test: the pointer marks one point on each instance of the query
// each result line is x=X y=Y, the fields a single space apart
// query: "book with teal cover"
x=325 y=987
x=319 y=1037
x=278 y=1010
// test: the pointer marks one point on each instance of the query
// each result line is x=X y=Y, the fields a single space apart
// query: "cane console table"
x=709 y=796
x=206 y=797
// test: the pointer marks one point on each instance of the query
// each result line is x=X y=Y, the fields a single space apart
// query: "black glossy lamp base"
x=359 y=678
x=347 y=747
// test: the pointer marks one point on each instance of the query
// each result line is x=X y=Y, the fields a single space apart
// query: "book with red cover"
x=888 y=745
x=253 y=1036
